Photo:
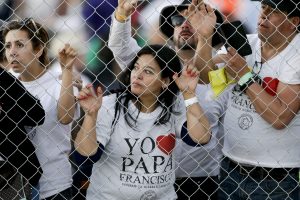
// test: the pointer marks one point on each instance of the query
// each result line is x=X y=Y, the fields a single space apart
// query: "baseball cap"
x=165 y=23
x=291 y=7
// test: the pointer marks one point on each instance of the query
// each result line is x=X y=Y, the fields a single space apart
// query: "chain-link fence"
x=153 y=99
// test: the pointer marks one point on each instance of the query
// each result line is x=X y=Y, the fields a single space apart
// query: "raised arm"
x=86 y=139
x=66 y=102
x=121 y=43
x=202 y=17
x=278 y=110
x=198 y=125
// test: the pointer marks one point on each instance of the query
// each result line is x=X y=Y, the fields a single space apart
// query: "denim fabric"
x=35 y=195
x=234 y=185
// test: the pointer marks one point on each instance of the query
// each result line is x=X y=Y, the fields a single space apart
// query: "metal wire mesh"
x=59 y=52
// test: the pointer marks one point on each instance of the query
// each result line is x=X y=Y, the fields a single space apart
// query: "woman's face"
x=19 y=51
x=145 y=77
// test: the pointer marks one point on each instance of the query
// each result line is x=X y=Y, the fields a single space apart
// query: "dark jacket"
x=18 y=108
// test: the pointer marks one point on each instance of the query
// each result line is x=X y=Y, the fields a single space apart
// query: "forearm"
x=270 y=108
x=86 y=139
x=66 y=102
x=121 y=43
x=203 y=59
x=198 y=125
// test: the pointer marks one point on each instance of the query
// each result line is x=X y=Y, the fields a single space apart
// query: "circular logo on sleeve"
x=245 y=121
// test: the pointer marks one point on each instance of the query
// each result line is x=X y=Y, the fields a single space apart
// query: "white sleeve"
x=104 y=120
x=120 y=42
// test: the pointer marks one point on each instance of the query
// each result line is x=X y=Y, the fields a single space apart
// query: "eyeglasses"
x=178 y=20
x=257 y=67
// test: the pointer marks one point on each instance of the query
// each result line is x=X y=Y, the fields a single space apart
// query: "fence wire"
x=151 y=99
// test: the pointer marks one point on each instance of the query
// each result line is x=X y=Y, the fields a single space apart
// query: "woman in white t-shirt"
x=135 y=128
x=26 y=45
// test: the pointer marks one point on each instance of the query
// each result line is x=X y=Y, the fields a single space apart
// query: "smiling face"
x=145 y=77
x=19 y=51
x=273 y=24
x=184 y=36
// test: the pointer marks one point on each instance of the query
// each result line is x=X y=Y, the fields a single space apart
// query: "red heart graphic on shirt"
x=166 y=143
x=270 y=85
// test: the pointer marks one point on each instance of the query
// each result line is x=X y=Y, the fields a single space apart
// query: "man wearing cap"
x=198 y=166
x=262 y=121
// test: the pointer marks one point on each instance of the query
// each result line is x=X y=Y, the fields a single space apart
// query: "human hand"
x=90 y=101
x=77 y=82
x=236 y=65
x=188 y=80
x=67 y=56
x=126 y=7
x=202 y=18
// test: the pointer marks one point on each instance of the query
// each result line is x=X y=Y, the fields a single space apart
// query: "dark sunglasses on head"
x=177 y=20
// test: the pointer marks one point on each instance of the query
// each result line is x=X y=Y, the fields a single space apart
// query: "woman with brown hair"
x=26 y=45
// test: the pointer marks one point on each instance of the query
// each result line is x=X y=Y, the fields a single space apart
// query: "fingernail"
x=99 y=90
x=89 y=85
x=81 y=98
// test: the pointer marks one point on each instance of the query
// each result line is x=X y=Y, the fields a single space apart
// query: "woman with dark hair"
x=26 y=45
x=136 y=127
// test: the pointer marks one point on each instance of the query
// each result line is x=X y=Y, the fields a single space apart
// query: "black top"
x=18 y=108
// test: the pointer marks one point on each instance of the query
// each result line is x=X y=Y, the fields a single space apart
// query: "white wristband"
x=190 y=101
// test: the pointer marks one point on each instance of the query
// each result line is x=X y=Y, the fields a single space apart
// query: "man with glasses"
x=198 y=166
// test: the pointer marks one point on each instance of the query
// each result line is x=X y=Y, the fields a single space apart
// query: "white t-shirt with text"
x=249 y=139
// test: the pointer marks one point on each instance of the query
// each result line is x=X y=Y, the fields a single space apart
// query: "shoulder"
x=297 y=39
x=109 y=102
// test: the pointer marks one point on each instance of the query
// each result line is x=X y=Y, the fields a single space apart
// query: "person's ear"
x=295 y=22
x=39 y=51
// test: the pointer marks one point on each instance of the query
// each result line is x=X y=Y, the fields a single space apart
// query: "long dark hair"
x=169 y=63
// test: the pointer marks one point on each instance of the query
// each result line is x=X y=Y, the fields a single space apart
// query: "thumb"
x=99 y=91
x=231 y=51
x=175 y=76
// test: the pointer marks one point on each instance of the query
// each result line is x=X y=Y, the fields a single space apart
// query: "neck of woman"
x=146 y=105
x=32 y=73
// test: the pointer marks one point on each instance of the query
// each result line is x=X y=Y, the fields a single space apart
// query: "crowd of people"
x=180 y=114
